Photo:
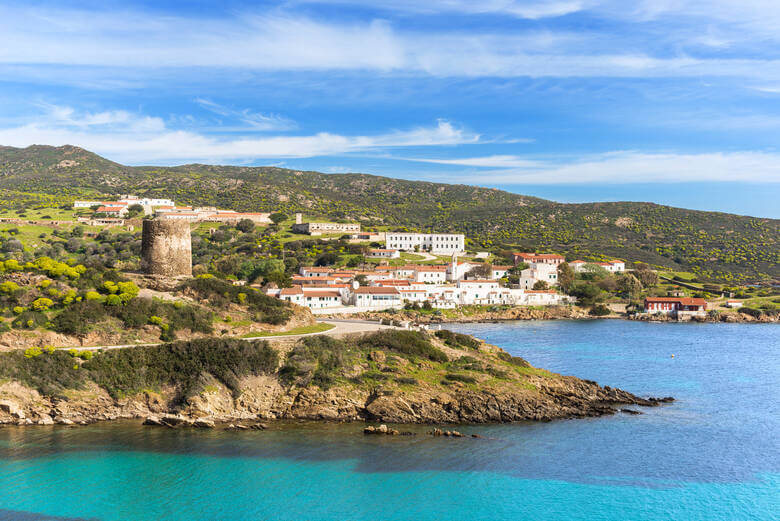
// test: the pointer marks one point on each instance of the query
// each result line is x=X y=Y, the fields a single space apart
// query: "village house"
x=377 y=297
x=676 y=306
x=112 y=211
x=383 y=253
x=499 y=272
x=430 y=274
x=318 y=228
x=734 y=304
x=614 y=266
x=538 y=272
x=538 y=258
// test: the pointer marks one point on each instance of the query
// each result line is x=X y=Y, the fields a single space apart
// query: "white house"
x=734 y=304
x=322 y=298
x=377 y=297
x=145 y=201
x=448 y=243
x=430 y=274
x=538 y=272
x=378 y=253
x=499 y=272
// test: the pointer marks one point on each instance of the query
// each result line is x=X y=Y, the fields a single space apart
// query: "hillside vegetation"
x=712 y=245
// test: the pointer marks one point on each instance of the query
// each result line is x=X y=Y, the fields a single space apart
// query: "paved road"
x=342 y=327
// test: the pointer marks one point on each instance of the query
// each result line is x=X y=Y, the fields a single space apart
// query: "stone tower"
x=166 y=248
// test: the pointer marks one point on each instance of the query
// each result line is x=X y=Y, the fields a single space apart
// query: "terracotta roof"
x=540 y=291
x=109 y=209
x=296 y=290
x=376 y=290
x=320 y=294
x=476 y=281
x=685 y=301
x=431 y=268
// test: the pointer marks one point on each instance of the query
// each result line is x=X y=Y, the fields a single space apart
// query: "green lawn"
x=319 y=327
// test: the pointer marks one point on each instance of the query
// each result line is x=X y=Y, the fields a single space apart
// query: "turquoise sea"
x=712 y=455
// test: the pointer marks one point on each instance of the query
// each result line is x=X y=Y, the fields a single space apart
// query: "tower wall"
x=166 y=248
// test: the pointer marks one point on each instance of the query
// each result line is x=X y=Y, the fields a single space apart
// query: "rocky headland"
x=391 y=376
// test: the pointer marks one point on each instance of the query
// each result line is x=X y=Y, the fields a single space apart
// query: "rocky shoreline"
x=547 y=313
x=466 y=384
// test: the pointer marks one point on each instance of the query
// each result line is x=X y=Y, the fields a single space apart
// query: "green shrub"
x=315 y=360
x=411 y=343
x=181 y=364
x=514 y=360
x=406 y=380
x=220 y=294
x=755 y=313
x=457 y=340
x=30 y=320
x=599 y=310
x=457 y=377
x=78 y=318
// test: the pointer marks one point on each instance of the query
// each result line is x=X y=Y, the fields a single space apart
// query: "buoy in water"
x=672 y=356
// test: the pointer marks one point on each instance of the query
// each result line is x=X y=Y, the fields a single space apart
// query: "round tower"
x=166 y=248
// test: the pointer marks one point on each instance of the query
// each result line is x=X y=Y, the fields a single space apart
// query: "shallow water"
x=714 y=454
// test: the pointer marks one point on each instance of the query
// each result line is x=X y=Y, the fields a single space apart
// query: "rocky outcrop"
x=470 y=314
x=475 y=384
x=553 y=398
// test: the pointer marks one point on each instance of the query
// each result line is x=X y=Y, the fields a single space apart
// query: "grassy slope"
x=706 y=243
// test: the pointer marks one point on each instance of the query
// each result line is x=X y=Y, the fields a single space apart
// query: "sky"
x=670 y=101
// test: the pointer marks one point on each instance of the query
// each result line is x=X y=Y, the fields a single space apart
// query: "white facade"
x=448 y=243
x=430 y=275
x=384 y=254
x=146 y=201
x=538 y=272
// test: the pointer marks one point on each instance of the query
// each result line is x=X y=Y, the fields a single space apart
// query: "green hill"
x=712 y=245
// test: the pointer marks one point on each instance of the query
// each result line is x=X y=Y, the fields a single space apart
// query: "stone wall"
x=166 y=248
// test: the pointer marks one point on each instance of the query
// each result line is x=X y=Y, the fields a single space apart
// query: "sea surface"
x=714 y=454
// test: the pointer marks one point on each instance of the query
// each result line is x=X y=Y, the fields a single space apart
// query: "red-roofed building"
x=538 y=258
x=676 y=305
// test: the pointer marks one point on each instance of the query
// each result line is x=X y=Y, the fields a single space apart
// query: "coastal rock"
x=152 y=420
x=12 y=409
x=203 y=423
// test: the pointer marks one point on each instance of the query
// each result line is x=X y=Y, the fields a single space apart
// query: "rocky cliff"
x=391 y=376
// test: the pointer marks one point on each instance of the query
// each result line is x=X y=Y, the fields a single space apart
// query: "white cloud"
x=252 y=120
x=262 y=42
x=139 y=139
x=632 y=167
x=496 y=161
x=531 y=9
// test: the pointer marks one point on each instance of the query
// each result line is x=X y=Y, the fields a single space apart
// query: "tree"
x=566 y=276
x=278 y=217
x=245 y=225
x=540 y=285
x=482 y=271
x=134 y=210
x=645 y=275
x=629 y=284
x=326 y=259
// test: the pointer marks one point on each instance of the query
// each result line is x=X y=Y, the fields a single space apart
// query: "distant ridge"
x=714 y=245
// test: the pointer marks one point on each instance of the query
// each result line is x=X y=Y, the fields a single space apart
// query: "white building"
x=377 y=297
x=430 y=274
x=145 y=201
x=538 y=272
x=499 y=272
x=615 y=266
x=384 y=253
x=448 y=243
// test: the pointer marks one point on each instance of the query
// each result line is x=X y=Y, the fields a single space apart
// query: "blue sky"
x=675 y=102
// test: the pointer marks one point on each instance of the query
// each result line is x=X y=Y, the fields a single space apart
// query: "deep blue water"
x=712 y=455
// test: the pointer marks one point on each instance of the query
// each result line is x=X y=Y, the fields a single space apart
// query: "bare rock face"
x=166 y=248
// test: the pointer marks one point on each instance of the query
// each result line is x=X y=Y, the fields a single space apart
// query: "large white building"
x=448 y=243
